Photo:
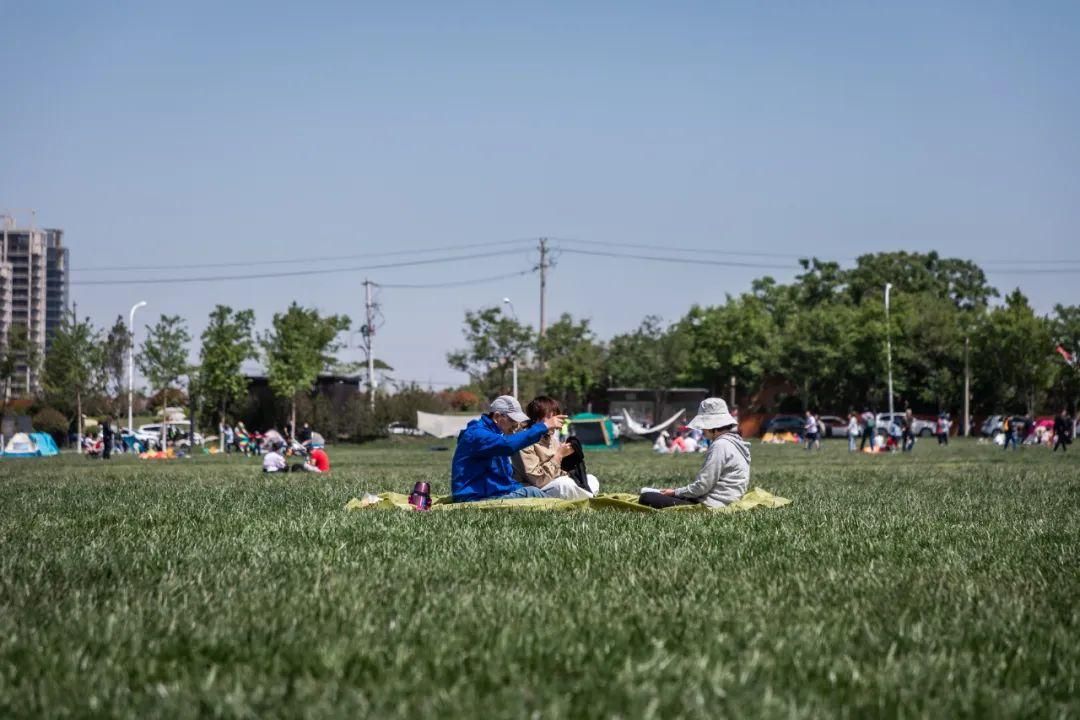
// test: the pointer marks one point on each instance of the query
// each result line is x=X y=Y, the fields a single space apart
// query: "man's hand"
x=565 y=450
x=669 y=492
x=555 y=422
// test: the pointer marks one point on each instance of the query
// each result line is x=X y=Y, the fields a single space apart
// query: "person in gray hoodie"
x=725 y=475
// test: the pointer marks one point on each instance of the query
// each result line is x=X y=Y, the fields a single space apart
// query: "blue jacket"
x=481 y=467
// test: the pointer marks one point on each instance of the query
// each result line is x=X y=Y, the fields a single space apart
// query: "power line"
x=297 y=273
x=455 y=283
x=291 y=261
x=793 y=256
x=665 y=248
x=680 y=261
x=761 y=266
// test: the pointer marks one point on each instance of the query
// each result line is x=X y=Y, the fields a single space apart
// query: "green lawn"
x=944 y=583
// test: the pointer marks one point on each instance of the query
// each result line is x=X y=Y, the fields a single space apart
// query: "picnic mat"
x=756 y=498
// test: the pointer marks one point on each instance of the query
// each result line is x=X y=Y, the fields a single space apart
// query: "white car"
x=402 y=428
x=833 y=426
x=922 y=428
x=151 y=434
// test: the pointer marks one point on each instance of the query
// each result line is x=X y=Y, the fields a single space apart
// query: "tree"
x=650 y=357
x=574 y=359
x=928 y=349
x=17 y=350
x=961 y=281
x=1015 y=351
x=300 y=345
x=494 y=341
x=227 y=342
x=737 y=339
x=163 y=357
x=1066 y=334
x=114 y=354
x=73 y=367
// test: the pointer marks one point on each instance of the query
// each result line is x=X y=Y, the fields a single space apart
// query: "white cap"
x=509 y=406
x=712 y=414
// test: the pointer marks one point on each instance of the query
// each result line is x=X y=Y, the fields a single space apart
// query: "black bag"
x=574 y=464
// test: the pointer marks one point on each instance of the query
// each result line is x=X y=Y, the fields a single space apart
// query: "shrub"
x=52 y=421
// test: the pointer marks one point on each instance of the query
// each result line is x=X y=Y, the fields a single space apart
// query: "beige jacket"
x=537 y=465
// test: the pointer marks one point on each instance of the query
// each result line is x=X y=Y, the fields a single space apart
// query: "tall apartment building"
x=34 y=282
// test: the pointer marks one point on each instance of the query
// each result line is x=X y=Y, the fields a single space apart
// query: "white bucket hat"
x=712 y=414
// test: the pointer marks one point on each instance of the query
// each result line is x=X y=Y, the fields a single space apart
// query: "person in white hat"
x=725 y=475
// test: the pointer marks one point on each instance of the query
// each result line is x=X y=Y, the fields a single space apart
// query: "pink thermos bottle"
x=421 y=496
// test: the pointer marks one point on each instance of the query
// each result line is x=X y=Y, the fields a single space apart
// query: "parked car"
x=402 y=428
x=178 y=430
x=785 y=423
x=922 y=427
x=833 y=426
x=992 y=425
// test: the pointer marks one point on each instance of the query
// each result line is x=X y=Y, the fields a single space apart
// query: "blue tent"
x=46 y=444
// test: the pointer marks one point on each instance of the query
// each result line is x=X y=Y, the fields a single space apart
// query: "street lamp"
x=888 y=348
x=506 y=301
x=131 y=363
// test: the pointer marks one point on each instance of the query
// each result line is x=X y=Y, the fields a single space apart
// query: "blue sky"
x=191 y=133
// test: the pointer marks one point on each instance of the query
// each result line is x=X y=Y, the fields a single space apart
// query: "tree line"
x=822 y=338
x=85 y=369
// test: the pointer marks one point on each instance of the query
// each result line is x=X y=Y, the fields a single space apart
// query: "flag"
x=1069 y=357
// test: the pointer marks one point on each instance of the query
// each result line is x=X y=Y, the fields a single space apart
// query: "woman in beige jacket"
x=540 y=465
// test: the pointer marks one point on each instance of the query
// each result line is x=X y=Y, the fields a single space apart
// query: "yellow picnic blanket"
x=756 y=498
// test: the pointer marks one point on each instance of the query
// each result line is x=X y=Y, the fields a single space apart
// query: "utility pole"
x=369 y=342
x=543 y=283
x=888 y=350
x=967 y=388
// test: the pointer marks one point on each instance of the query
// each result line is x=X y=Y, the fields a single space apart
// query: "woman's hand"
x=565 y=450
x=670 y=492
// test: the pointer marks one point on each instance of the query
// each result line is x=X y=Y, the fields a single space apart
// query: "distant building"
x=34 y=289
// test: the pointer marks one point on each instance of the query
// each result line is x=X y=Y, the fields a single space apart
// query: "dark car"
x=786 y=423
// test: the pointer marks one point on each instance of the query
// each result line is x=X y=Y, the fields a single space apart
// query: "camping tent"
x=594 y=432
x=30 y=445
x=45 y=443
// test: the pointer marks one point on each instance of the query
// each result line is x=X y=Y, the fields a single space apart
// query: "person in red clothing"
x=318 y=461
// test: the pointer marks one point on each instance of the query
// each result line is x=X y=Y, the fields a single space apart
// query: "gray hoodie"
x=725 y=475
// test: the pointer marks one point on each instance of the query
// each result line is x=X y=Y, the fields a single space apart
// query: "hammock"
x=636 y=429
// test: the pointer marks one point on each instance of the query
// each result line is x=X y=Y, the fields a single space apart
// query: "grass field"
x=944 y=583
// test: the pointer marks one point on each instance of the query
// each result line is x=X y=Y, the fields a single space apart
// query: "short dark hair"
x=542 y=406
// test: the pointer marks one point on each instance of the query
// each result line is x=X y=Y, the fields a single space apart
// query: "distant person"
x=107 y=438
x=852 y=431
x=1063 y=430
x=869 y=429
x=230 y=438
x=1008 y=429
x=812 y=431
x=318 y=461
x=303 y=436
x=725 y=473
x=661 y=444
x=942 y=428
x=273 y=460
x=907 y=427
x=481 y=468
x=541 y=465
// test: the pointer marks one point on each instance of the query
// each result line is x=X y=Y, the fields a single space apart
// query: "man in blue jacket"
x=481 y=469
